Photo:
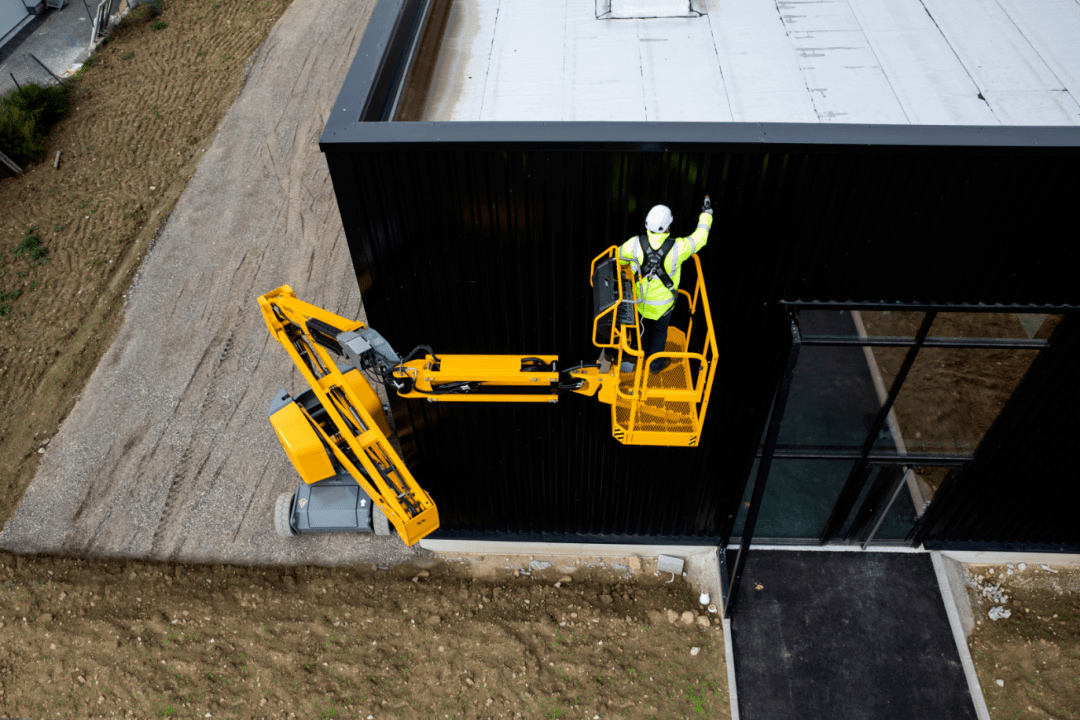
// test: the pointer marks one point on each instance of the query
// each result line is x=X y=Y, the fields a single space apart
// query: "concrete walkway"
x=58 y=39
x=168 y=454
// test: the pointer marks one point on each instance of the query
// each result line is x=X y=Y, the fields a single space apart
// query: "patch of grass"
x=142 y=12
x=26 y=114
x=159 y=25
x=31 y=245
x=128 y=55
x=6 y=298
x=87 y=64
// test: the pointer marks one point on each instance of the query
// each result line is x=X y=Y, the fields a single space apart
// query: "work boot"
x=627 y=366
x=659 y=365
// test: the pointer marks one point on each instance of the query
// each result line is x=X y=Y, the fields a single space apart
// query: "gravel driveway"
x=168 y=454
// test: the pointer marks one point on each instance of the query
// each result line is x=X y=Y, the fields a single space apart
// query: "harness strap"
x=653 y=267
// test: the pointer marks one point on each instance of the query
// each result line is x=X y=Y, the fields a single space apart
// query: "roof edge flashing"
x=666 y=136
x=373 y=82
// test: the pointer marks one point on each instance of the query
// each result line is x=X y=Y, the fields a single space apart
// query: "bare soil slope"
x=114 y=639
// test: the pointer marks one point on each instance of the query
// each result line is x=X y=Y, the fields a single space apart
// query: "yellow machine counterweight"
x=336 y=433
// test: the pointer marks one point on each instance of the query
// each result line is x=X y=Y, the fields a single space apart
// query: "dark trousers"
x=654 y=337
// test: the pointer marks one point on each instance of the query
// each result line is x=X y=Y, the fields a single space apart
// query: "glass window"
x=891 y=323
x=994 y=325
x=856 y=323
x=952 y=396
x=799 y=496
x=921 y=484
x=928 y=481
x=901 y=517
x=881 y=482
x=834 y=397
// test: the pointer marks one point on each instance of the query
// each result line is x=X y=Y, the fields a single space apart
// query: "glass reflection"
x=891 y=323
x=799 y=496
x=855 y=323
x=952 y=396
x=836 y=391
x=994 y=325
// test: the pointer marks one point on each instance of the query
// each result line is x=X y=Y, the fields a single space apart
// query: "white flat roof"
x=948 y=62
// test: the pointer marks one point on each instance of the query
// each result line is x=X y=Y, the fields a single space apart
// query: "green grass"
x=87 y=64
x=31 y=246
x=6 y=298
x=26 y=114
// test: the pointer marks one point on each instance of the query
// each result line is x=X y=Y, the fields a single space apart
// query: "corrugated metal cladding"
x=473 y=247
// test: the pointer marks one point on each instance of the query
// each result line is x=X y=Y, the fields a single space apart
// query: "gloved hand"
x=707 y=207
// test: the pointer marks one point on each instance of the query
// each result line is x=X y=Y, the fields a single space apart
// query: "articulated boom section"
x=350 y=422
x=493 y=378
x=340 y=426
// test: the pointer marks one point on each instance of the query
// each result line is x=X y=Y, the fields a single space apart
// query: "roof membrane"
x=940 y=62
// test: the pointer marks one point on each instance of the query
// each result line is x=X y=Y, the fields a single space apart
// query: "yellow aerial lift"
x=336 y=432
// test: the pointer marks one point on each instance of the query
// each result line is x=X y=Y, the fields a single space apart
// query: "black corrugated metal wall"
x=475 y=250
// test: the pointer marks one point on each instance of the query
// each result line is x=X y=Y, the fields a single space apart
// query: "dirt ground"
x=1028 y=663
x=142 y=115
x=113 y=639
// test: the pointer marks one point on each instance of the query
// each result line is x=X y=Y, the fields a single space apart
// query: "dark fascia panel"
x=685 y=136
x=357 y=123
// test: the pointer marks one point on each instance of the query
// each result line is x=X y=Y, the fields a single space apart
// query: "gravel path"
x=168 y=453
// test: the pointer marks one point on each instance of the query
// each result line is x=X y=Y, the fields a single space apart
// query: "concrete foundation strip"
x=733 y=695
x=959 y=636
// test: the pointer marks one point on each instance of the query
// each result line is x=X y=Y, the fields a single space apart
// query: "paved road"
x=168 y=454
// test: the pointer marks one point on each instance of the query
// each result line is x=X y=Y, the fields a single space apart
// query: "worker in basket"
x=657 y=259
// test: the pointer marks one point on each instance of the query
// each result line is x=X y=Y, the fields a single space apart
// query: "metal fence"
x=24 y=68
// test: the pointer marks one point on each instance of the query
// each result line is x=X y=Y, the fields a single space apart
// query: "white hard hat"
x=659 y=219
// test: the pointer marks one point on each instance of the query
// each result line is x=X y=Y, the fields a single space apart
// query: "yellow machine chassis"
x=360 y=444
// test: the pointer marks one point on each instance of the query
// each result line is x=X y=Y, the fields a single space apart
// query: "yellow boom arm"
x=663 y=408
x=352 y=434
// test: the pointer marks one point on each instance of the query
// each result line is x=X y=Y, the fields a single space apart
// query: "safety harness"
x=653 y=267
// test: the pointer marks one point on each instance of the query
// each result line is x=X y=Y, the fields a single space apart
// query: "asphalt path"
x=168 y=454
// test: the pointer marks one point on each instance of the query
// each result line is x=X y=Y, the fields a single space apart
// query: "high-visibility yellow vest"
x=657 y=298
